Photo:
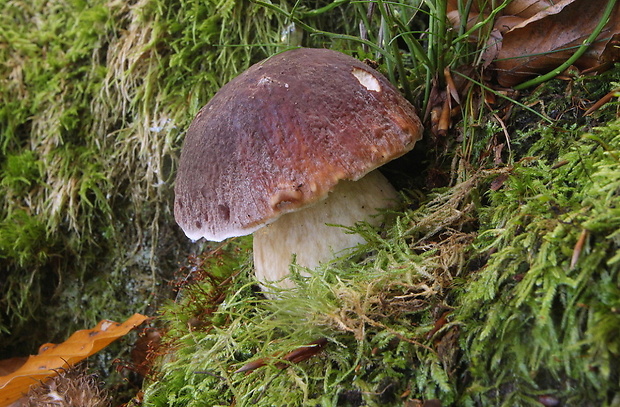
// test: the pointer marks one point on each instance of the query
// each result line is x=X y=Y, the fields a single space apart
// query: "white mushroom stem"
x=306 y=235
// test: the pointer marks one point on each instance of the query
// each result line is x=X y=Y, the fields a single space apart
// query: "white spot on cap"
x=366 y=79
x=265 y=80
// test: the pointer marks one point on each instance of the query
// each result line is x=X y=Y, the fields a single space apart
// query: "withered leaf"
x=547 y=39
x=531 y=37
x=527 y=8
x=52 y=357
x=298 y=355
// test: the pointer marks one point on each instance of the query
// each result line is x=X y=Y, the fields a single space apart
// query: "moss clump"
x=383 y=312
x=499 y=289
x=473 y=297
x=511 y=299
x=541 y=317
x=94 y=96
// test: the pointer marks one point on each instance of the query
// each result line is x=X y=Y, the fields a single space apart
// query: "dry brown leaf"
x=611 y=53
x=492 y=48
x=52 y=358
x=504 y=24
x=531 y=37
x=547 y=39
x=454 y=17
x=519 y=10
x=527 y=8
x=515 y=11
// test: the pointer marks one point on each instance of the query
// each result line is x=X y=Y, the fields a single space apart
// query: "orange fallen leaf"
x=8 y=366
x=52 y=357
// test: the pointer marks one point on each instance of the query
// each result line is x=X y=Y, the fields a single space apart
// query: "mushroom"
x=287 y=148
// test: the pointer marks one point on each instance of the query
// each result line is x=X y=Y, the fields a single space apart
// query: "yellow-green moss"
x=94 y=97
x=521 y=322
x=469 y=296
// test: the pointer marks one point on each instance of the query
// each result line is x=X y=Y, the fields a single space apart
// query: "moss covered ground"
x=496 y=282
x=501 y=290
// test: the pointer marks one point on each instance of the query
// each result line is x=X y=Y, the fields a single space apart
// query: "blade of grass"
x=314 y=31
x=496 y=93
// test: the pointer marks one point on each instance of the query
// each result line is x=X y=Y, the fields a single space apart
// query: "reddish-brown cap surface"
x=281 y=135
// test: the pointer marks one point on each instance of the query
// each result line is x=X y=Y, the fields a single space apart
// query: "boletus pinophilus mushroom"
x=289 y=146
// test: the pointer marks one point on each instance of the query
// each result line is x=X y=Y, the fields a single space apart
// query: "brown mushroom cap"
x=281 y=135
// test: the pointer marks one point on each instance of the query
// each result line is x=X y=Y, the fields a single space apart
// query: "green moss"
x=471 y=301
x=19 y=172
x=94 y=96
x=380 y=310
x=469 y=297
x=534 y=314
